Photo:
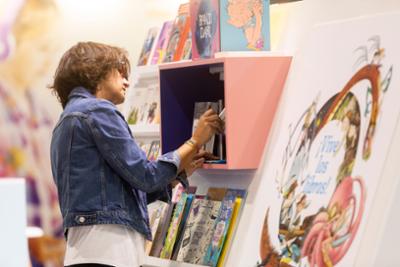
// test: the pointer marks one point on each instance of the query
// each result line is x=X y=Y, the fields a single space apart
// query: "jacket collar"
x=80 y=92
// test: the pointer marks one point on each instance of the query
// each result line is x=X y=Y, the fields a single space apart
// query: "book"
x=161 y=233
x=244 y=25
x=152 y=115
x=178 y=34
x=169 y=243
x=198 y=230
x=135 y=104
x=199 y=109
x=185 y=215
x=154 y=150
x=221 y=226
x=156 y=211
x=204 y=16
x=148 y=46
x=162 y=42
x=230 y=232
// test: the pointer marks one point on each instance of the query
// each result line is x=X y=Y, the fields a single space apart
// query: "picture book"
x=161 y=233
x=221 y=226
x=135 y=105
x=178 y=34
x=169 y=243
x=199 y=109
x=244 y=25
x=152 y=114
x=230 y=232
x=179 y=236
x=198 y=230
x=204 y=17
x=156 y=211
x=148 y=47
x=154 y=150
x=162 y=42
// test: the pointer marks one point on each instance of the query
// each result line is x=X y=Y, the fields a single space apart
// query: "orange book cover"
x=184 y=46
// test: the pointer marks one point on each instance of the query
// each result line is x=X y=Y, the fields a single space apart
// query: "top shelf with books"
x=249 y=87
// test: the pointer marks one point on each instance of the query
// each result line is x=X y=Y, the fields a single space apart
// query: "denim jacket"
x=102 y=176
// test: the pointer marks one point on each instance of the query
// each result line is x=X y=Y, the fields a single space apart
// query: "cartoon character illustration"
x=247 y=15
x=321 y=236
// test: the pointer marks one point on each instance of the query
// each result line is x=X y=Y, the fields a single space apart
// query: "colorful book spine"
x=166 y=252
x=148 y=47
x=221 y=226
x=230 y=232
x=184 y=25
x=185 y=215
x=162 y=42
x=204 y=16
x=244 y=25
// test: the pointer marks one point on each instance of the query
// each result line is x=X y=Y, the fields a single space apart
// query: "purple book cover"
x=204 y=16
x=162 y=42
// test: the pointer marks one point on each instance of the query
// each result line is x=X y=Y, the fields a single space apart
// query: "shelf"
x=145 y=130
x=157 y=262
x=250 y=87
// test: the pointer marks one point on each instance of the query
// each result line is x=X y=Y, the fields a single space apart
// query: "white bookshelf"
x=145 y=130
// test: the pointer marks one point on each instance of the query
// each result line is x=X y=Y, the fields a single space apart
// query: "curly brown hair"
x=86 y=64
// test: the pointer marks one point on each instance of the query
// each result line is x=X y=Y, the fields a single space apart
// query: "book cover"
x=187 y=47
x=154 y=150
x=185 y=215
x=135 y=105
x=156 y=211
x=244 y=25
x=169 y=243
x=159 y=238
x=152 y=114
x=162 y=42
x=221 y=226
x=198 y=230
x=148 y=46
x=199 y=109
x=204 y=17
x=231 y=229
x=178 y=35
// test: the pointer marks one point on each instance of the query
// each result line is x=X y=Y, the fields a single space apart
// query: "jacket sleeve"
x=115 y=142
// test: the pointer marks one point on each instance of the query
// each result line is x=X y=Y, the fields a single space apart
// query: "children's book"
x=169 y=243
x=198 y=231
x=148 y=47
x=221 y=226
x=156 y=211
x=178 y=35
x=154 y=150
x=185 y=215
x=134 y=105
x=152 y=114
x=162 y=42
x=159 y=238
x=231 y=229
x=244 y=25
x=199 y=109
x=204 y=16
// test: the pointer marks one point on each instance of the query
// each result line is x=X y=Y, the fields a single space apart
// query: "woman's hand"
x=208 y=124
x=198 y=161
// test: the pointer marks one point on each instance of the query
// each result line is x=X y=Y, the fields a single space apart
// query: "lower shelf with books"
x=196 y=228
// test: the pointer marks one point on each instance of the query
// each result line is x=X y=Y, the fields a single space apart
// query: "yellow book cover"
x=231 y=230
